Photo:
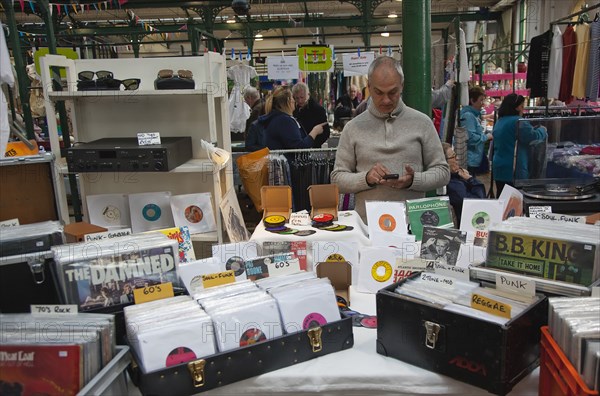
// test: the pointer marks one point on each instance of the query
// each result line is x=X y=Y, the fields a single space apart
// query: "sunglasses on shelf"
x=168 y=73
x=89 y=75
x=108 y=83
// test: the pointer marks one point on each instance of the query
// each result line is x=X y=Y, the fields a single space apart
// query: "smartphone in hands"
x=391 y=176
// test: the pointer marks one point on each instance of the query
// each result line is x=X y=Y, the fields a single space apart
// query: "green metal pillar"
x=135 y=45
x=20 y=67
x=60 y=105
x=193 y=36
x=416 y=55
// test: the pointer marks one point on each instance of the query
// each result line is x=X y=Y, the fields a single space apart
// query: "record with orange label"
x=387 y=222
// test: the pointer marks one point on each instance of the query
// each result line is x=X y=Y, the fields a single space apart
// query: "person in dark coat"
x=252 y=99
x=282 y=131
x=462 y=184
x=309 y=113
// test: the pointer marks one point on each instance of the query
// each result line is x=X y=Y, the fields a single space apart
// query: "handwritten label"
x=300 y=219
x=9 y=223
x=98 y=236
x=218 y=279
x=452 y=271
x=154 y=292
x=284 y=267
x=515 y=284
x=539 y=209
x=40 y=309
x=491 y=306
x=147 y=138
x=438 y=280
x=560 y=217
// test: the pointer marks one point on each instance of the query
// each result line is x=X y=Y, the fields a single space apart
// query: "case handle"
x=37 y=270
x=314 y=336
x=196 y=369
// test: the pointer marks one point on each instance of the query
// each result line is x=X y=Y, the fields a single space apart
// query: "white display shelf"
x=63 y=95
x=191 y=166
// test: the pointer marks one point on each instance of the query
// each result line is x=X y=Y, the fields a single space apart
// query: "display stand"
x=200 y=113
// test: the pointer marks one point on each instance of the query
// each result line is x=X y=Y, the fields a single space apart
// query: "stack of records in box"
x=104 y=274
x=25 y=277
x=561 y=260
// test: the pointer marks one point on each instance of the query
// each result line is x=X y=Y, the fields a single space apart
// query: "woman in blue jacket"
x=282 y=131
x=470 y=119
x=505 y=137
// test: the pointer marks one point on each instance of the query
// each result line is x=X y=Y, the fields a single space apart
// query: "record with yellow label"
x=376 y=268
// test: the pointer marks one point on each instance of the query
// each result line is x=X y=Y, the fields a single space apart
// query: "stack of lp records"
x=169 y=332
x=104 y=273
x=569 y=254
x=40 y=354
x=575 y=326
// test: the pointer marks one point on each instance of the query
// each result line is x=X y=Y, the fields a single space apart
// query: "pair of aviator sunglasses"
x=168 y=73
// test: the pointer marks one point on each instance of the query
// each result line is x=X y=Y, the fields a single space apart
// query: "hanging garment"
x=6 y=76
x=581 y=60
x=437 y=63
x=239 y=111
x=537 y=69
x=592 y=86
x=464 y=74
x=568 y=64
x=555 y=67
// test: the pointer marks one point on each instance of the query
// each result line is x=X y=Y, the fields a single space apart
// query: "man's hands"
x=375 y=176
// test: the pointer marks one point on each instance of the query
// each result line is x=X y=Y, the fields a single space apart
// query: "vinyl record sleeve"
x=442 y=245
x=298 y=248
x=478 y=215
x=376 y=268
x=433 y=212
x=233 y=256
x=150 y=211
x=109 y=210
x=191 y=273
x=513 y=202
x=194 y=211
x=184 y=239
x=233 y=218
x=385 y=218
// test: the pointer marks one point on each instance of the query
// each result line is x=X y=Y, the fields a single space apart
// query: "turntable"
x=564 y=195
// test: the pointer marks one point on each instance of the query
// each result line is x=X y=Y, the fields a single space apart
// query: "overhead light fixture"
x=392 y=15
x=230 y=20
x=385 y=33
x=258 y=37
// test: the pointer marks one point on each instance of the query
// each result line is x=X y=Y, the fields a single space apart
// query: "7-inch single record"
x=305 y=232
x=288 y=231
x=336 y=227
x=481 y=221
x=276 y=229
x=323 y=218
x=109 y=210
x=252 y=336
x=180 y=355
x=194 y=211
x=313 y=319
x=274 y=221
x=370 y=322
x=236 y=264
x=357 y=319
x=430 y=218
x=387 y=222
x=150 y=211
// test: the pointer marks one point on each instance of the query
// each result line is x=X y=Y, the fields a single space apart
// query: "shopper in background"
x=462 y=184
x=282 y=131
x=252 y=99
x=388 y=138
x=345 y=107
x=505 y=136
x=470 y=119
x=309 y=113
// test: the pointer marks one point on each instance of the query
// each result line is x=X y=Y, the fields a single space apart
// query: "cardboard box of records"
x=232 y=332
x=324 y=198
x=481 y=349
x=276 y=201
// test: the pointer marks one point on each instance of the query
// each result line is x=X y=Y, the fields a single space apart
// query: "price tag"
x=491 y=306
x=154 y=292
x=217 y=279
x=539 y=209
x=39 y=309
x=284 y=267
x=147 y=138
x=300 y=219
x=515 y=284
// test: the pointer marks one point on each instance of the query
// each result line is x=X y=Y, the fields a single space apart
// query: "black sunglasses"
x=108 y=83
x=89 y=75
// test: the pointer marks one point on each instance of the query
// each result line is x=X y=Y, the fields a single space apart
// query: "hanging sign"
x=357 y=64
x=315 y=58
x=282 y=67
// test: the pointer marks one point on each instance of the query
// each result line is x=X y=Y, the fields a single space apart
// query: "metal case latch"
x=433 y=329
x=37 y=270
x=196 y=369
x=314 y=336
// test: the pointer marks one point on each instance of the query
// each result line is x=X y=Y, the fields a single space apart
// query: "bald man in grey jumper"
x=389 y=138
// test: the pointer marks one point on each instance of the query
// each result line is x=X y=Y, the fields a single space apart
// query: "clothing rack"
x=565 y=20
x=308 y=150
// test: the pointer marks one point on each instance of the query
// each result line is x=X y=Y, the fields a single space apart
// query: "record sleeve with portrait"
x=442 y=244
x=194 y=211
x=233 y=218
x=150 y=211
x=109 y=210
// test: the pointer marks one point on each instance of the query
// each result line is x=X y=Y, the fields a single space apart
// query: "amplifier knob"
x=158 y=165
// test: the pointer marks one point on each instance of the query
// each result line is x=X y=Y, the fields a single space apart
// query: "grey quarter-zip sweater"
x=404 y=137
